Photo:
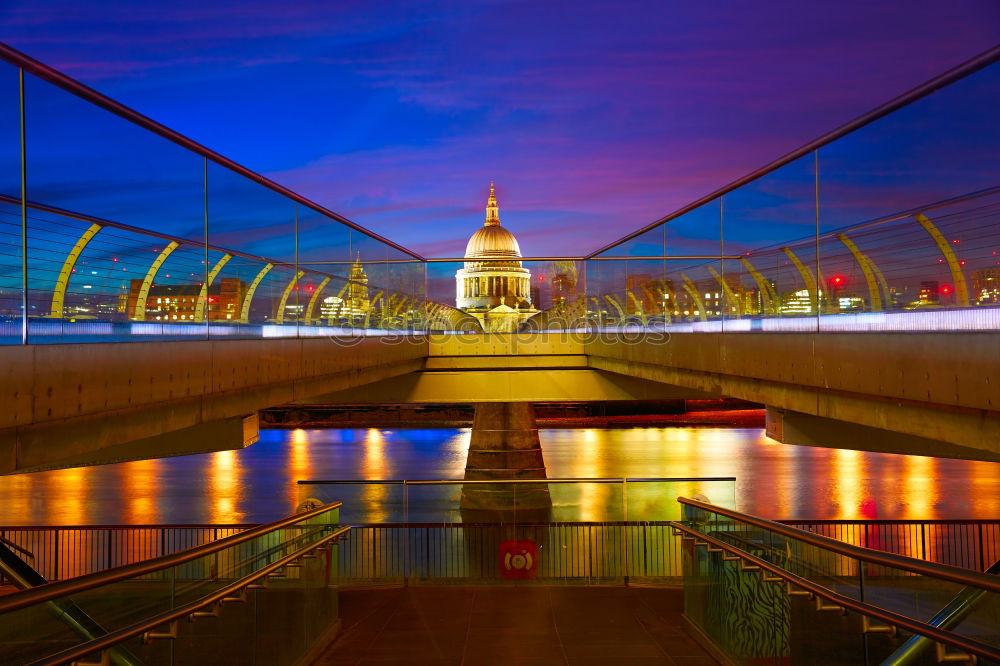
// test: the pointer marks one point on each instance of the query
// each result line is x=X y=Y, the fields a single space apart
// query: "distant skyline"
x=594 y=119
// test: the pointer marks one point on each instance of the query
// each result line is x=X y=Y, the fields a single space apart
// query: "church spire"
x=492 y=210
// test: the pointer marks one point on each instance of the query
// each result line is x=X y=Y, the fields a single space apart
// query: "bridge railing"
x=760 y=590
x=891 y=222
x=267 y=593
x=553 y=531
x=61 y=552
x=115 y=227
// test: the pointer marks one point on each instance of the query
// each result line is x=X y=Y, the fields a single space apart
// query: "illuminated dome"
x=493 y=286
x=492 y=241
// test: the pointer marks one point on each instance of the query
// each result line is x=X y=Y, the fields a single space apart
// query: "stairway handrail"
x=890 y=617
x=921 y=567
x=86 y=582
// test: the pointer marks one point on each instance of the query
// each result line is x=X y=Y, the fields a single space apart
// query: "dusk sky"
x=593 y=118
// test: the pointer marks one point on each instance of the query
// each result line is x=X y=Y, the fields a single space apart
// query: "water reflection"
x=224 y=477
x=71 y=501
x=848 y=492
x=140 y=483
x=919 y=486
x=593 y=497
x=375 y=468
x=258 y=483
x=299 y=462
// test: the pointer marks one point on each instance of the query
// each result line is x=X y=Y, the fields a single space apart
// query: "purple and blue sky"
x=593 y=118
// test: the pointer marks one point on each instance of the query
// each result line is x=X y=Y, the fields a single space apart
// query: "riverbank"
x=639 y=414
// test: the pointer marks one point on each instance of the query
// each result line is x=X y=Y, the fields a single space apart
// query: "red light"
x=837 y=280
x=961 y=263
x=946 y=289
x=211 y=299
x=956 y=241
x=115 y=259
x=541 y=278
x=309 y=288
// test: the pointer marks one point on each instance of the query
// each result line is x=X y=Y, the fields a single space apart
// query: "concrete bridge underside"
x=920 y=393
x=934 y=394
x=88 y=404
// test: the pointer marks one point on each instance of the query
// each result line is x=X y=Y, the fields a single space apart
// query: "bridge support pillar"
x=504 y=447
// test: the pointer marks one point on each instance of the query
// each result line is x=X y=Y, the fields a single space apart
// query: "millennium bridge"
x=159 y=318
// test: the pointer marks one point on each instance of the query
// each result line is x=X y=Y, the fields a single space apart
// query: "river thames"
x=258 y=484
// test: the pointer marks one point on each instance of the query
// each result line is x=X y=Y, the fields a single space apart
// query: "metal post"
x=722 y=265
x=625 y=527
x=982 y=550
x=204 y=299
x=406 y=533
x=295 y=224
x=819 y=273
x=24 y=214
x=923 y=541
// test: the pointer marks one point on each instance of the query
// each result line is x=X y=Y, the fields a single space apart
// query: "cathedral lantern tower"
x=493 y=286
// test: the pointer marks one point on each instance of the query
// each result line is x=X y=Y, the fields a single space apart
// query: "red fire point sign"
x=518 y=559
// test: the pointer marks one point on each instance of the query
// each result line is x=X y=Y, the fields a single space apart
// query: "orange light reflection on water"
x=141 y=490
x=592 y=498
x=773 y=480
x=299 y=464
x=919 y=488
x=73 y=487
x=224 y=477
x=376 y=495
x=848 y=468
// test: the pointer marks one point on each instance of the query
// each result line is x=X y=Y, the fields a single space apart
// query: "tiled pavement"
x=511 y=626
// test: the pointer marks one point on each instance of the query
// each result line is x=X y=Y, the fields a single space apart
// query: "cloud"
x=594 y=119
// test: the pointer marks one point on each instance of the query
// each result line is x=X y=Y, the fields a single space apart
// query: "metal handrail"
x=890 y=521
x=887 y=616
x=924 y=568
x=956 y=73
x=15 y=547
x=520 y=523
x=246 y=526
x=129 y=526
x=115 y=637
x=71 y=85
x=447 y=482
x=450 y=260
x=90 y=581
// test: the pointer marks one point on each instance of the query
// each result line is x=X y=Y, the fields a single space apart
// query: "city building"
x=493 y=286
x=564 y=286
x=353 y=301
x=986 y=285
x=171 y=302
x=930 y=293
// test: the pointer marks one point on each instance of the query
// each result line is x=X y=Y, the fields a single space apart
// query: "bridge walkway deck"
x=531 y=626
